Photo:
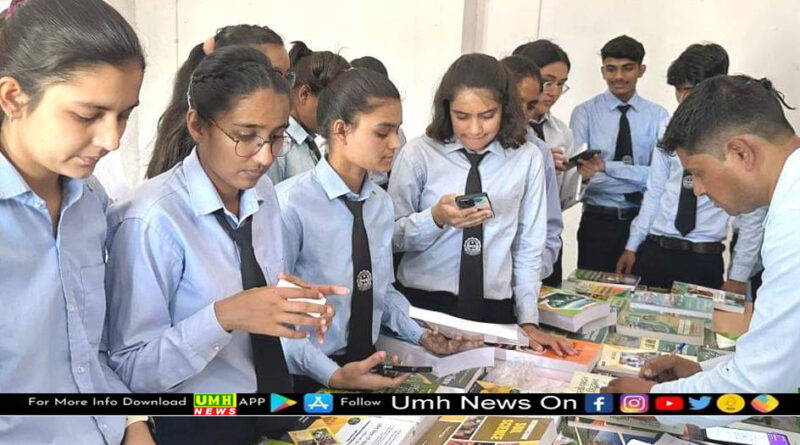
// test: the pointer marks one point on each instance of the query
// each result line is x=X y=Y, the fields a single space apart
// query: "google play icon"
x=278 y=402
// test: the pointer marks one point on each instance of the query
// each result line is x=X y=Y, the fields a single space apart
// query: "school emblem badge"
x=627 y=160
x=364 y=280
x=688 y=182
x=472 y=246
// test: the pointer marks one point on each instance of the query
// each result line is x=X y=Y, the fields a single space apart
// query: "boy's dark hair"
x=175 y=113
x=220 y=79
x=697 y=63
x=46 y=41
x=371 y=63
x=316 y=69
x=623 y=47
x=543 y=52
x=722 y=105
x=350 y=94
x=521 y=67
x=478 y=71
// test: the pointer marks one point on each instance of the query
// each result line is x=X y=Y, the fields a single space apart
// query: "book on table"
x=451 y=326
x=416 y=355
x=587 y=382
x=588 y=354
x=669 y=327
x=593 y=276
x=673 y=304
x=723 y=301
x=569 y=311
x=490 y=430
x=622 y=361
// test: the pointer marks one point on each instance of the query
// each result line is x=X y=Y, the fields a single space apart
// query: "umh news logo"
x=215 y=404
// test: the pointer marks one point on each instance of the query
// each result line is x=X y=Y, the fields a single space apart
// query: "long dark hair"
x=543 y=52
x=315 y=69
x=170 y=124
x=215 y=85
x=45 y=41
x=349 y=95
x=478 y=71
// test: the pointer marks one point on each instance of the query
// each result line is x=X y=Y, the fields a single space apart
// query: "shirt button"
x=216 y=348
x=70 y=307
x=103 y=426
x=80 y=369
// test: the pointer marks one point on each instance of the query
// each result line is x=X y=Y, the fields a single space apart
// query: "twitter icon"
x=699 y=404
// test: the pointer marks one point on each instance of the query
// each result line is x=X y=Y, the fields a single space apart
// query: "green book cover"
x=605 y=277
x=461 y=380
x=662 y=323
x=566 y=304
x=593 y=336
x=672 y=303
x=652 y=344
x=416 y=384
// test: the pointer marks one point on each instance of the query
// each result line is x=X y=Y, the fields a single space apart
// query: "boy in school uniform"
x=624 y=127
x=678 y=236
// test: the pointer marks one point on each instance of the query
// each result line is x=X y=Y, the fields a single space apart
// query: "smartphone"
x=395 y=370
x=585 y=155
x=744 y=437
x=479 y=200
x=289 y=284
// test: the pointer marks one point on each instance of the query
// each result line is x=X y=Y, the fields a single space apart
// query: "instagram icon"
x=634 y=403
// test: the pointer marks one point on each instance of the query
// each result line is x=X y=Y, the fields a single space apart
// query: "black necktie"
x=470 y=276
x=686 y=217
x=538 y=128
x=313 y=146
x=624 y=149
x=272 y=374
x=359 y=336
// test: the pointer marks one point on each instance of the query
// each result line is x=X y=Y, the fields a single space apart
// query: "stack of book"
x=723 y=301
x=586 y=358
x=624 y=361
x=415 y=355
x=452 y=327
x=601 y=285
x=688 y=305
x=571 y=311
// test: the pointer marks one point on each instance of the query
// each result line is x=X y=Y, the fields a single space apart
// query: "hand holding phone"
x=585 y=155
x=395 y=370
x=478 y=200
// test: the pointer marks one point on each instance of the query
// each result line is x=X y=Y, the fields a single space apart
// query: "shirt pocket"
x=94 y=301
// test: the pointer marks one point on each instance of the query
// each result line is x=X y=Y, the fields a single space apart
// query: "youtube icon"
x=669 y=403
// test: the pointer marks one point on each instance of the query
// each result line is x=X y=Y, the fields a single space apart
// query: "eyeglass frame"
x=563 y=87
x=285 y=138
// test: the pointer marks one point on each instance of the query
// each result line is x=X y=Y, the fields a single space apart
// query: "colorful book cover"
x=673 y=304
x=484 y=387
x=626 y=280
x=669 y=327
x=566 y=304
x=593 y=336
x=459 y=382
x=651 y=344
x=724 y=301
x=416 y=384
x=587 y=382
x=599 y=291
x=489 y=430
x=622 y=361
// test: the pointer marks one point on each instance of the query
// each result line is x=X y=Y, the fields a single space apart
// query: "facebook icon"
x=599 y=403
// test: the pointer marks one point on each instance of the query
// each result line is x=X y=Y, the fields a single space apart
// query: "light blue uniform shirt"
x=555 y=223
x=317 y=228
x=596 y=123
x=169 y=261
x=299 y=157
x=54 y=308
x=513 y=240
x=746 y=258
x=765 y=357
x=660 y=207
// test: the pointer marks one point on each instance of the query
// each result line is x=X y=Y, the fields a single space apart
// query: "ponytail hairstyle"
x=315 y=69
x=353 y=92
x=218 y=82
x=47 y=41
x=172 y=120
x=370 y=63
x=478 y=71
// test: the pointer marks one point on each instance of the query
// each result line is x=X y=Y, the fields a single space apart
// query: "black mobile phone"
x=395 y=370
x=585 y=155
x=479 y=200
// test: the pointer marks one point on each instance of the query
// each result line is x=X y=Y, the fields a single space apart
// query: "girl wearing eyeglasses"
x=195 y=253
x=311 y=72
x=168 y=150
